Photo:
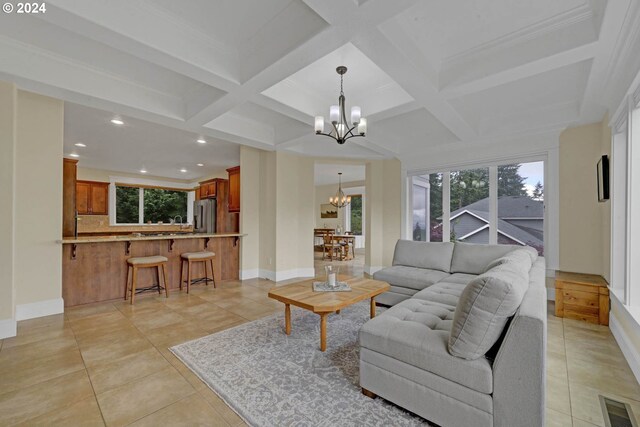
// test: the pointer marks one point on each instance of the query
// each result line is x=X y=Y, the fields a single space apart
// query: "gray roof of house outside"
x=509 y=207
x=510 y=229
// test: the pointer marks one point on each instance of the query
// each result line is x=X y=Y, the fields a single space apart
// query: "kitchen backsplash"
x=100 y=224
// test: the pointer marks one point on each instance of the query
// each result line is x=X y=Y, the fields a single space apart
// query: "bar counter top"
x=136 y=237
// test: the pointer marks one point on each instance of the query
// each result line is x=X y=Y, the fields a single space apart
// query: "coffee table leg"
x=337 y=311
x=323 y=331
x=287 y=319
x=373 y=307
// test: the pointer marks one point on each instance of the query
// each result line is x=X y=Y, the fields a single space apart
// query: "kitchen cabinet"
x=209 y=189
x=69 y=171
x=92 y=198
x=234 y=189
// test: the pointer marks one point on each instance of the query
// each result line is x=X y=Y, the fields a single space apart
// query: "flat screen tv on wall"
x=603 y=178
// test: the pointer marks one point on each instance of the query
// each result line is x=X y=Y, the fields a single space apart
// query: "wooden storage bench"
x=582 y=297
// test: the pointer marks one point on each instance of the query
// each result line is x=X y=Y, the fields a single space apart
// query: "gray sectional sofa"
x=465 y=339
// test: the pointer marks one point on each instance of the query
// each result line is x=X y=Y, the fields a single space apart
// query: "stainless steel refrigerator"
x=204 y=216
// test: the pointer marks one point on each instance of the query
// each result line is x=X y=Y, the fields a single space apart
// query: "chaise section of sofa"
x=496 y=293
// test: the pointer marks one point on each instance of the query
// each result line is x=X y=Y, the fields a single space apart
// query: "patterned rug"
x=271 y=379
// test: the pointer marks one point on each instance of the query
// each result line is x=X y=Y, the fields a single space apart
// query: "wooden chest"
x=582 y=297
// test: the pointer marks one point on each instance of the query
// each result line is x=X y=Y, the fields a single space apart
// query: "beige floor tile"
x=85 y=413
x=191 y=411
x=558 y=394
x=56 y=319
x=557 y=419
x=580 y=423
x=43 y=369
x=38 y=334
x=557 y=365
x=603 y=377
x=36 y=350
x=28 y=403
x=107 y=335
x=218 y=404
x=166 y=337
x=585 y=403
x=105 y=353
x=157 y=319
x=126 y=369
x=88 y=310
x=139 y=398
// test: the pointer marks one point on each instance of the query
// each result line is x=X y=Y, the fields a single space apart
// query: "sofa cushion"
x=444 y=293
x=409 y=277
x=473 y=258
x=523 y=256
x=485 y=307
x=462 y=278
x=431 y=255
x=416 y=332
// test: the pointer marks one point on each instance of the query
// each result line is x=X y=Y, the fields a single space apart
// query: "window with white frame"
x=501 y=203
x=140 y=205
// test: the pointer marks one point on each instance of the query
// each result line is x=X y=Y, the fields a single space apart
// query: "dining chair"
x=330 y=245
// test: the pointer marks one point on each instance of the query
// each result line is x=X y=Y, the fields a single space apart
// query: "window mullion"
x=493 y=205
x=141 y=206
x=446 y=206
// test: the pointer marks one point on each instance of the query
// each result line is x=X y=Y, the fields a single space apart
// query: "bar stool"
x=191 y=257
x=133 y=264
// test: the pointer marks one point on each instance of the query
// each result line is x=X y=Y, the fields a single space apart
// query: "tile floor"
x=109 y=363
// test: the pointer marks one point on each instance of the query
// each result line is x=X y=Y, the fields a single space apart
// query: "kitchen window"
x=140 y=205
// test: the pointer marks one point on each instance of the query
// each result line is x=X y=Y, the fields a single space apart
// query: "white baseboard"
x=370 y=269
x=39 y=309
x=8 y=328
x=628 y=349
x=278 y=276
x=249 y=274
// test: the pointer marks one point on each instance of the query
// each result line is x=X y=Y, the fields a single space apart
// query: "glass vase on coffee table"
x=331 y=275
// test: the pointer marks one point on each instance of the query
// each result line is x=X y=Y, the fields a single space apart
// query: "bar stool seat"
x=147 y=260
x=191 y=257
x=198 y=255
x=134 y=263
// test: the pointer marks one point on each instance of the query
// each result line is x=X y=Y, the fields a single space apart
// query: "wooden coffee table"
x=302 y=295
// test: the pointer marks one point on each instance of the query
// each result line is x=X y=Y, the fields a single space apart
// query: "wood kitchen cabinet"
x=209 y=189
x=92 y=198
x=234 y=189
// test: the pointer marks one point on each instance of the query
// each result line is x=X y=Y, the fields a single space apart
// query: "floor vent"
x=617 y=414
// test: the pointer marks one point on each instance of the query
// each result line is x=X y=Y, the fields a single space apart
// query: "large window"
x=136 y=205
x=495 y=204
x=356 y=214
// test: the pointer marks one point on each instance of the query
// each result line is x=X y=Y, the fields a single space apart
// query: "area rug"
x=271 y=379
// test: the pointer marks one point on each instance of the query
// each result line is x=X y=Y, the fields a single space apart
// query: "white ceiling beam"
x=542 y=65
x=380 y=50
x=612 y=24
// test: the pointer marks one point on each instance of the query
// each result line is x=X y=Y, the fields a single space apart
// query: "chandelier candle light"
x=342 y=130
x=340 y=200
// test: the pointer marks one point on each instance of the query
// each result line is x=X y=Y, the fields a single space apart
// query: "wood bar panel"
x=99 y=271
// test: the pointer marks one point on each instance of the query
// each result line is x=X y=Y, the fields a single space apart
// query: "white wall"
x=8 y=98
x=38 y=227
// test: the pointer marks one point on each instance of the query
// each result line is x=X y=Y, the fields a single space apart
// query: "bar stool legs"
x=190 y=280
x=133 y=264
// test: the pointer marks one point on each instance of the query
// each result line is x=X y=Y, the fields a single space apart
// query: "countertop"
x=133 y=238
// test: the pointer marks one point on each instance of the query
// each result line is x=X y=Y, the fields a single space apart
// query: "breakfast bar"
x=94 y=268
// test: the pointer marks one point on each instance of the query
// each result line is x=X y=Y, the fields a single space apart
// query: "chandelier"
x=340 y=200
x=342 y=130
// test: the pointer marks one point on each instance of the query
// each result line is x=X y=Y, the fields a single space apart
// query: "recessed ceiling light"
x=202 y=141
x=183 y=170
x=117 y=122
x=200 y=164
x=74 y=155
x=143 y=171
x=80 y=144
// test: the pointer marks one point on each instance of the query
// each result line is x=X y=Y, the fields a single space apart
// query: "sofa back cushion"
x=485 y=306
x=472 y=258
x=432 y=255
x=518 y=255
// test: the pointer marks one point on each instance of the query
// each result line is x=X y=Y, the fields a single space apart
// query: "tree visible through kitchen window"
x=158 y=205
x=163 y=205
x=127 y=205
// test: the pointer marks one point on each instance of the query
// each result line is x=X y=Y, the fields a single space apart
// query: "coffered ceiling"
x=429 y=75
